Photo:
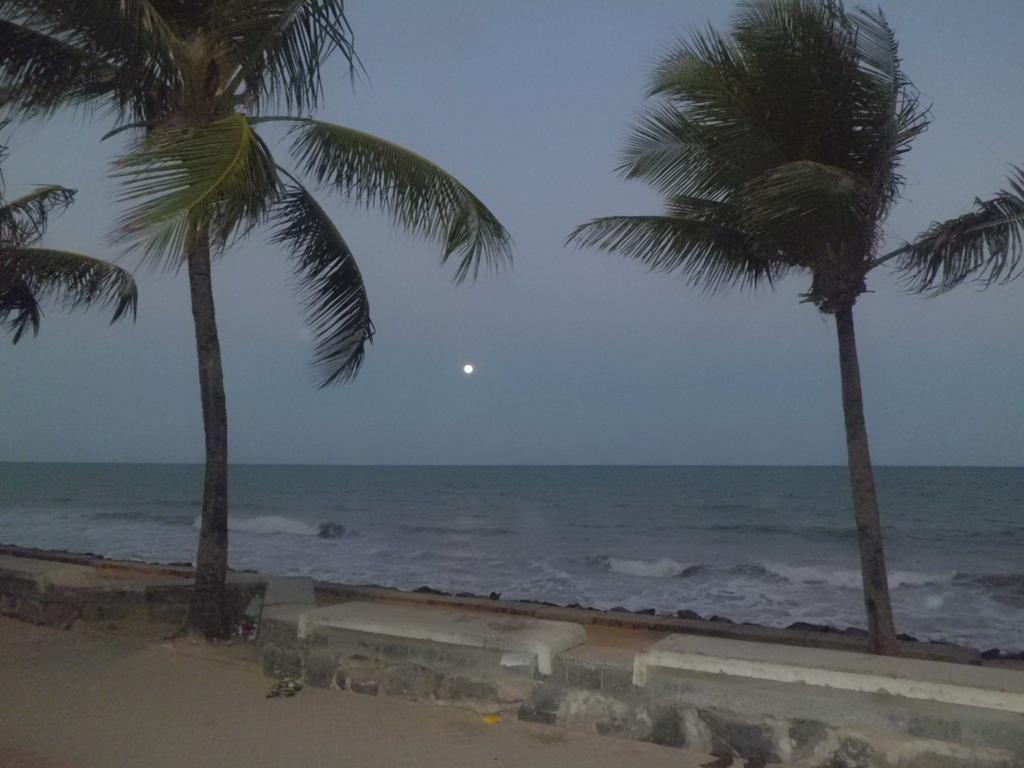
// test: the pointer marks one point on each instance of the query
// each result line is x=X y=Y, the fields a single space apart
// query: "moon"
x=468 y=369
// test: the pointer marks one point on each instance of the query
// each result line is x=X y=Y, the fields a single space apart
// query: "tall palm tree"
x=31 y=275
x=196 y=80
x=777 y=149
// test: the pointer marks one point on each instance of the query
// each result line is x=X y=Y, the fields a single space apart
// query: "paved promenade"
x=89 y=699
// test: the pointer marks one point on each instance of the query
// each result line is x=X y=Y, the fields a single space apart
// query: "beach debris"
x=286 y=687
x=492 y=719
x=331 y=531
x=255 y=607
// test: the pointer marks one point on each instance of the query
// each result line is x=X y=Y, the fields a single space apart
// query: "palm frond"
x=29 y=276
x=139 y=56
x=23 y=220
x=40 y=73
x=281 y=45
x=419 y=195
x=334 y=295
x=19 y=310
x=671 y=153
x=709 y=254
x=219 y=177
x=985 y=245
x=803 y=203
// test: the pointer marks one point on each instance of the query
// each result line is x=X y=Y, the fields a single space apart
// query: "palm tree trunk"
x=865 y=501
x=208 y=609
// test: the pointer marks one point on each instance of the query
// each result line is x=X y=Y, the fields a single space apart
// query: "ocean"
x=771 y=545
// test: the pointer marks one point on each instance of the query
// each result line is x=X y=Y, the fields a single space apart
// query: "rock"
x=803 y=626
x=494 y=596
x=667 y=728
x=425 y=590
x=731 y=735
x=646 y=612
x=466 y=594
x=992 y=653
x=411 y=680
x=683 y=614
x=620 y=609
x=320 y=670
x=906 y=638
x=855 y=632
x=721 y=619
x=331 y=531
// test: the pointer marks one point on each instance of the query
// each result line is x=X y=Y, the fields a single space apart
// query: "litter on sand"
x=492 y=719
x=286 y=687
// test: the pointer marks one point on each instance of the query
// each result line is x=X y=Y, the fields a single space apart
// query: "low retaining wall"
x=57 y=593
x=592 y=688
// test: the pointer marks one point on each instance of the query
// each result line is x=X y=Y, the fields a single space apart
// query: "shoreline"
x=617 y=616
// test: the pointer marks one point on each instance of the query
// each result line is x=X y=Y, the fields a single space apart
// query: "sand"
x=122 y=695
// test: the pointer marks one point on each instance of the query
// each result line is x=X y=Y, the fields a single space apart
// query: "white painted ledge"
x=970 y=686
x=512 y=634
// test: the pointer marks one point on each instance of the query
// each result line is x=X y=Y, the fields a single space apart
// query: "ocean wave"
x=851 y=578
x=665 y=568
x=451 y=529
x=662 y=568
x=268 y=524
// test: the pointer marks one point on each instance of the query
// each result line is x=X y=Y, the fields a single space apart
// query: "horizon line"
x=510 y=465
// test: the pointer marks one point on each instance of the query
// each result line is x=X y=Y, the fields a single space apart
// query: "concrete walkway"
x=82 y=699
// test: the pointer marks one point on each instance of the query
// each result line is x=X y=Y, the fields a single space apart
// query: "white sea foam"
x=268 y=524
x=851 y=579
x=662 y=568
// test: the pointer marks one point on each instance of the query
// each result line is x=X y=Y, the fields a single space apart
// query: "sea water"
x=771 y=545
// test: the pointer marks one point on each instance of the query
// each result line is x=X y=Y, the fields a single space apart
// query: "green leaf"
x=420 y=197
x=218 y=177
x=985 y=245
x=334 y=295
x=281 y=45
x=710 y=254
x=30 y=276
x=24 y=219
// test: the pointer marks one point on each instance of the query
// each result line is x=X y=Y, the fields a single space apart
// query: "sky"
x=581 y=357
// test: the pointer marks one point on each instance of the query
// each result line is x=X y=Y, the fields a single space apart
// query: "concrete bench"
x=990 y=688
x=511 y=634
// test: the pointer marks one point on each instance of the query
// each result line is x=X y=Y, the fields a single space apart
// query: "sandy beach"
x=121 y=695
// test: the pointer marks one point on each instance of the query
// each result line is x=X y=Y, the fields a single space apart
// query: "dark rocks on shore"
x=494 y=596
x=992 y=653
x=683 y=614
x=331 y=531
x=425 y=590
x=721 y=619
x=803 y=626
x=646 y=612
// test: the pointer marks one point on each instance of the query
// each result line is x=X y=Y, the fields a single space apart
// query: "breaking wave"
x=268 y=524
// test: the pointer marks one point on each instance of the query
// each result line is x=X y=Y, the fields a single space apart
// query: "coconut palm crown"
x=31 y=275
x=777 y=150
x=196 y=81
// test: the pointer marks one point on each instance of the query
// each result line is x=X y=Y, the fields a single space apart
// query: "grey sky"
x=581 y=357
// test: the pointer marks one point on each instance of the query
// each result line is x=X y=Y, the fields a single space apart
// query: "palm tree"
x=196 y=81
x=30 y=275
x=777 y=149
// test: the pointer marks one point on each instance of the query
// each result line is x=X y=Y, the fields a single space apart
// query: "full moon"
x=467 y=369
